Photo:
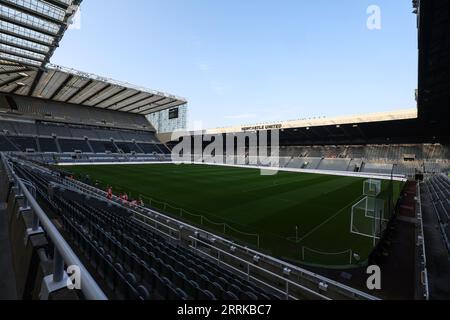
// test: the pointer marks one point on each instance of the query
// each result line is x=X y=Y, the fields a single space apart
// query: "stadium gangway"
x=302 y=273
x=63 y=253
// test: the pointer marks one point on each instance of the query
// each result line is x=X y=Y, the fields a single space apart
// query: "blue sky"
x=247 y=61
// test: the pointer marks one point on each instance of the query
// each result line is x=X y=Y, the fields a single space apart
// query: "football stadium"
x=106 y=195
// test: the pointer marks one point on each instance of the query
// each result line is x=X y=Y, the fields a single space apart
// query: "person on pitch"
x=110 y=194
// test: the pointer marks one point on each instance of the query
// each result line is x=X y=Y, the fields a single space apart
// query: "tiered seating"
x=163 y=148
x=103 y=146
x=21 y=136
x=24 y=143
x=128 y=147
x=438 y=188
x=7 y=127
x=383 y=168
x=435 y=151
x=334 y=164
x=133 y=261
x=83 y=132
x=47 y=129
x=47 y=145
x=108 y=134
x=73 y=145
x=6 y=145
x=354 y=165
x=311 y=163
x=405 y=168
x=149 y=148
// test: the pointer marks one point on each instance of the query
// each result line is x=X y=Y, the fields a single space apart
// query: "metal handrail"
x=63 y=251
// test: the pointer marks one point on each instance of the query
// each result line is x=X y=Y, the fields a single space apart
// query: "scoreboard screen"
x=173 y=113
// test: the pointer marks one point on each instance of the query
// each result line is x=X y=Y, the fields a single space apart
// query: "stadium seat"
x=230 y=296
x=249 y=296
x=206 y=295
x=144 y=293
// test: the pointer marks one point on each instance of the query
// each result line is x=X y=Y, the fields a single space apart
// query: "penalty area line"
x=326 y=221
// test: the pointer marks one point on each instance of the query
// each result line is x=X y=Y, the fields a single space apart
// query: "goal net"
x=372 y=188
x=368 y=218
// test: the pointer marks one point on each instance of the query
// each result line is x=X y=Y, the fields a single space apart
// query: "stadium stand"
x=73 y=145
x=397 y=159
x=129 y=258
x=438 y=189
x=134 y=261
x=48 y=145
x=66 y=131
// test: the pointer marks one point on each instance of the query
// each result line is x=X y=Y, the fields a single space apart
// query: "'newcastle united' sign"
x=263 y=127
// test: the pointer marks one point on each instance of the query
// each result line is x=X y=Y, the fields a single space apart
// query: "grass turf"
x=270 y=206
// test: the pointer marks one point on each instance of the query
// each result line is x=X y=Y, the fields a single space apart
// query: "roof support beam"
x=24 y=37
x=13 y=71
x=62 y=29
x=58 y=90
x=150 y=104
x=20 y=55
x=111 y=96
x=136 y=102
x=18 y=86
x=18 y=46
x=35 y=82
x=124 y=99
x=157 y=109
x=27 y=25
x=158 y=106
x=30 y=12
x=96 y=93
x=58 y=4
x=81 y=89
x=21 y=63
x=8 y=82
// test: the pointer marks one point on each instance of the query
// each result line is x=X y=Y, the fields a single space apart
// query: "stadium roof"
x=30 y=31
x=71 y=86
x=406 y=114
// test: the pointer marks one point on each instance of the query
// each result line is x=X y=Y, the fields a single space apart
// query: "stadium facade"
x=133 y=248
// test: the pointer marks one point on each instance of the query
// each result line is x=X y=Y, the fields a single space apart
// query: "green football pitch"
x=302 y=218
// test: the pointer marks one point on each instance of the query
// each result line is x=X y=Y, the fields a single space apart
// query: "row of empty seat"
x=47 y=129
x=55 y=145
x=438 y=189
x=370 y=152
x=132 y=260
